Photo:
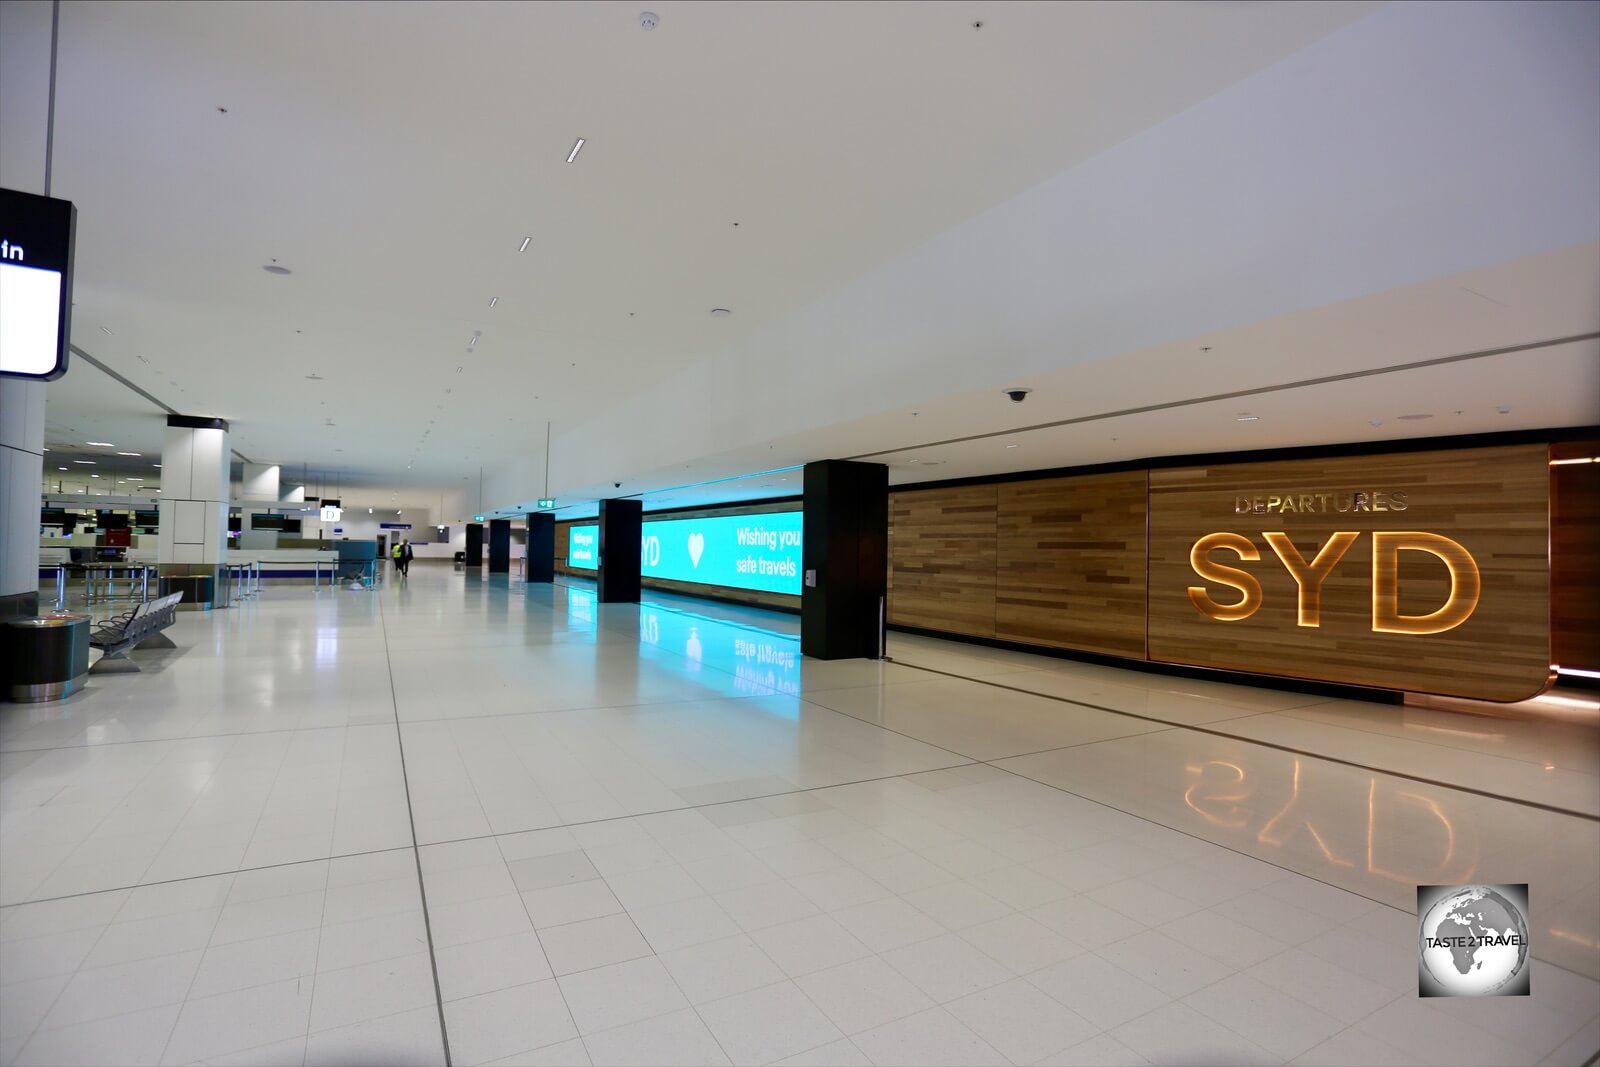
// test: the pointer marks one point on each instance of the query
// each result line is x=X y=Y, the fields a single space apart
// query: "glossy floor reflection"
x=465 y=813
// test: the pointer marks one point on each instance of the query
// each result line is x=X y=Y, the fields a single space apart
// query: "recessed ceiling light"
x=155 y=464
x=61 y=468
x=105 y=331
x=94 y=476
x=127 y=453
x=101 y=444
x=1553 y=463
x=274 y=268
x=1413 y=418
x=576 y=148
x=720 y=313
x=493 y=301
x=524 y=246
x=473 y=341
x=1011 y=446
x=1247 y=418
x=86 y=462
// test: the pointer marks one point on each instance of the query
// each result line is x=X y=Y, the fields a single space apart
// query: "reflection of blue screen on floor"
x=739 y=551
x=583 y=547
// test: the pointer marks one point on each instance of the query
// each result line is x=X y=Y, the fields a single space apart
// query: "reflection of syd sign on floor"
x=1407 y=837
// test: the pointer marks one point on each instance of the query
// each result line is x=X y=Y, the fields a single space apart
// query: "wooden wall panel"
x=1575 y=558
x=1070 y=563
x=942 y=559
x=1493 y=501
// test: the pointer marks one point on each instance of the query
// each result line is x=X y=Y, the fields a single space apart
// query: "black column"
x=541 y=547
x=499 y=546
x=619 y=550
x=474 y=544
x=845 y=554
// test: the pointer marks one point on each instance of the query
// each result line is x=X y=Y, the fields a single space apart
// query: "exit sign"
x=547 y=505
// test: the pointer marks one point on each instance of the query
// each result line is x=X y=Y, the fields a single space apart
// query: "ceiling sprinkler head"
x=648 y=19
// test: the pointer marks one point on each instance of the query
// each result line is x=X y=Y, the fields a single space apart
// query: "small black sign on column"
x=620 y=541
x=845 y=557
x=541 y=547
x=474 y=544
x=499 y=546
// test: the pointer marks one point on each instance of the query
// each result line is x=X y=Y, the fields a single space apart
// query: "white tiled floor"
x=363 y=827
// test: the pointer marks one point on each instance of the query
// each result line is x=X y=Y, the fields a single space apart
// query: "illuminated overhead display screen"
x=759 y=552
x=35 y=284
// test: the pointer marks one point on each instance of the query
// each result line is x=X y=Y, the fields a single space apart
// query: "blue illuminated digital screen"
x=759 y=552
x=583 y=547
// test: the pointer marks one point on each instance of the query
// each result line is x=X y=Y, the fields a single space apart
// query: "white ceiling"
x=395 y=156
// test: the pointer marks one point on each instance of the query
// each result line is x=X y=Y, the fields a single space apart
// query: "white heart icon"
x=697 y=545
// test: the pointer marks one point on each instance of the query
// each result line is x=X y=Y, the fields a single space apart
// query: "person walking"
x=405 y=558
x=398 y=554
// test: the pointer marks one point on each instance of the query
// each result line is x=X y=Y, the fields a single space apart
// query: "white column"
x=21 y=482
x=194 y=496
x=24 y=97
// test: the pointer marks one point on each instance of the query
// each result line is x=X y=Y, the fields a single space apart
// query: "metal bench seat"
x=141 y=626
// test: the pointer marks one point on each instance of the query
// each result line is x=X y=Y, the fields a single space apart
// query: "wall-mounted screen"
x=36 y=235
x=583 y=547
x=56 y=517
x=110 y=520
x=759 y=552
x=266 y=522
x=147 y=518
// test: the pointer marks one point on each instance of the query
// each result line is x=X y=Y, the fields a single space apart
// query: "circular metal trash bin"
x=44 y=658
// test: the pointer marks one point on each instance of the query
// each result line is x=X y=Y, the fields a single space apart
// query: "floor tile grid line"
x=967 y=762
x=583 y=1038
x=1292 y=750
x=153 y=769
x=322 y=928
x=407 y=722
x=416 y=853
x=692 y=1005
x=201 y=877
x=803 y=699
x=807 y=996
x=1298 y=713
x=195 y=737
x=1228 y=848
x=90 y=954
x=310 y=1000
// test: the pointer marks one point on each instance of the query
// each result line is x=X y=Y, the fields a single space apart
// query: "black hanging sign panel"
x=36 y=238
